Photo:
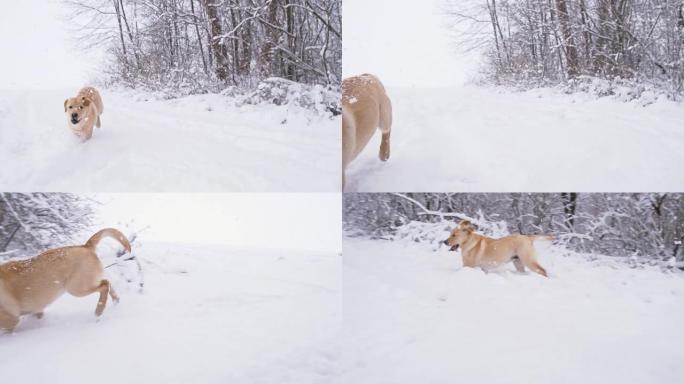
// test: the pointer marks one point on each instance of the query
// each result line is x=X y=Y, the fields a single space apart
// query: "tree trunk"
x=199 y=36
x=268 y=57
x=569 y=207
x=568 y=40
x=121 y=35
x=218 y=49
x=289 y=15
x=130 y=34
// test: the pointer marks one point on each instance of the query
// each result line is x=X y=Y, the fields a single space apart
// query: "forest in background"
x=644 y=225
x=33 y=222
x=195 y=46
x=599 y=46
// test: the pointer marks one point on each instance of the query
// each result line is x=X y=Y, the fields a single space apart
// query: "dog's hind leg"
x=519 y=266
x=529 y=258
x=538 y=268
x=113 y=295
x=385 y=127
x=105 y=289
x=82 y=290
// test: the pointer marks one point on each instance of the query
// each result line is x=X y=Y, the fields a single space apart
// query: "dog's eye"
x=70 y=107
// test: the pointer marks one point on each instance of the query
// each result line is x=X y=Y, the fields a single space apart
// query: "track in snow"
x=208 y=315
x=197 y=143
x=473 y=139
x=413 y=315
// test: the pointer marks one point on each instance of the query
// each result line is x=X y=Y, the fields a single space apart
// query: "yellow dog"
x=487 y=253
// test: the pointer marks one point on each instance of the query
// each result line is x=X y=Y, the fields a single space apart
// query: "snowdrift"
x=474 y=139
x=208 y=143
x=207 y=314
x=413 y=314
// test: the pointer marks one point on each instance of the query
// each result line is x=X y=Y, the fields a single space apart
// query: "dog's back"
x=37 y=282
x=365 y=107
x=92 y=94
x=28 y=286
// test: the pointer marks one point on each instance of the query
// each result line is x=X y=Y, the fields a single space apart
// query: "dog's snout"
x=74 y=115
x=445 y=242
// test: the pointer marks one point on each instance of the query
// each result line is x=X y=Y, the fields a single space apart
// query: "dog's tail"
x=108 y=232
x=542 y=237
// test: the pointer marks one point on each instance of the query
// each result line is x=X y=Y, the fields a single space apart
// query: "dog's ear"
x=466 y=226
x=65 y=103
x=86 y=102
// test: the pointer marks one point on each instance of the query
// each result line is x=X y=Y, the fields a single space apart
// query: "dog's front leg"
x=8 y=321
x=89 y=131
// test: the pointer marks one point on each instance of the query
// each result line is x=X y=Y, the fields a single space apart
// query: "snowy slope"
x=207 y=315
x=413 y=315
x=471 y=138
x=197 y=143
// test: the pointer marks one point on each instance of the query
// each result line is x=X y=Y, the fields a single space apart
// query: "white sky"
x=302 y=221
x=36 y=48
x=404 y=42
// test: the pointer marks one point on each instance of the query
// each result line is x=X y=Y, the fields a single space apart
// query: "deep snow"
x=451 y=136
x=196 y=143
x=412 y=315
x=207 y=315
x=474 y=139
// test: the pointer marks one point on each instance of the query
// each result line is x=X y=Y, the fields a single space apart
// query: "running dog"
x=365 y=107
x=28 y=286
x=487 y=253
x=83 y=111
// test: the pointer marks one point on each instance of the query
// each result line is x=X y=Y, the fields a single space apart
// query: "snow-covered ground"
x=448 y=135
x=207 y=315
x=412 y=315
x=196 y=143
x=472 y=138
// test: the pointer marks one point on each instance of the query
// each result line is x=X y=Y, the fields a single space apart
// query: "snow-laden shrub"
x=648 y=227
x=319 y=99
x=625 y=90
x=278 y=91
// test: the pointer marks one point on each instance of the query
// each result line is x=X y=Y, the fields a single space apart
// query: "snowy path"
x=481 y=139
x=197 y=143
x=208 y=315
x=413 y=316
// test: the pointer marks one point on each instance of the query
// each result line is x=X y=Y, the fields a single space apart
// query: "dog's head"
x=459 y=235
x=75 y=108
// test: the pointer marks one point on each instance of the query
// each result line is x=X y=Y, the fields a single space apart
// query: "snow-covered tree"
x=200 y=45
x=537 y=42
x=30 y=223
x=647 y=225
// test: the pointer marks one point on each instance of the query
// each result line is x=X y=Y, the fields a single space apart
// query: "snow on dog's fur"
x=28 y=286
